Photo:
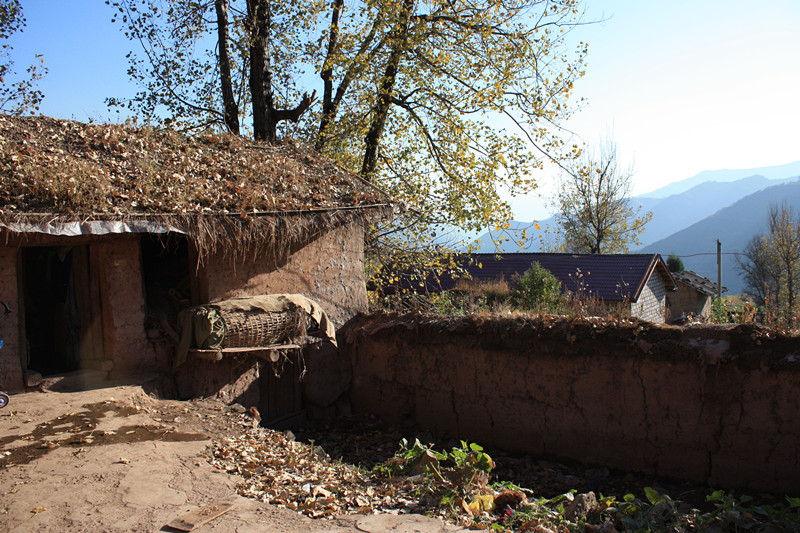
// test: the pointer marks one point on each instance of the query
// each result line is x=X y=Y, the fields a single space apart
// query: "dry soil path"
x=115 y=459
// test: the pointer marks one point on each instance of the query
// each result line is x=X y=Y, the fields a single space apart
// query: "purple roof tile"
x=607 y=277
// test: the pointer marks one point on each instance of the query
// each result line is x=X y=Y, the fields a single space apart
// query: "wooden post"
x=719 y=269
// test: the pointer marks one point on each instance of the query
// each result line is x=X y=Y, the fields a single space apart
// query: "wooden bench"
x=271 y=353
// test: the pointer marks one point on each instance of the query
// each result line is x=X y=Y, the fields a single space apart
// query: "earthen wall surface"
x=10 y=357
x=713 y=405
x=688 y=300
x=123 y=305
x=329 y=270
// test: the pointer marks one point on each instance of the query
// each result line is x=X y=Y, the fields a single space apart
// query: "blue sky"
x=682 y=86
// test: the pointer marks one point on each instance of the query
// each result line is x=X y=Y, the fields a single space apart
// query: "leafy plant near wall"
x=537 y=289
x=719 y=313
x=455 y=485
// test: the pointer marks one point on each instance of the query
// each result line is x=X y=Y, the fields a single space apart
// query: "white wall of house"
x=651 y=305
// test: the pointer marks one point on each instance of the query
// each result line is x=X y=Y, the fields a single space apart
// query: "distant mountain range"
x=681 y=210
x=777 y=172
x=734 y=226
x=688 y=217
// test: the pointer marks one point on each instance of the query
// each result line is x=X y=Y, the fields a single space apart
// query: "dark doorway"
x=165 y=263
x=52 y=317
x=282 y=391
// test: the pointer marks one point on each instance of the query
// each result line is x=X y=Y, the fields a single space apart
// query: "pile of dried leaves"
x=456 y=485
x=279 y=470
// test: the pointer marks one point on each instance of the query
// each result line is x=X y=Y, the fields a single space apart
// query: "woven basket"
x=251 y=329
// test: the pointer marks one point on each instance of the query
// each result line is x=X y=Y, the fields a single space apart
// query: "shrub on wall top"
x=538 y=289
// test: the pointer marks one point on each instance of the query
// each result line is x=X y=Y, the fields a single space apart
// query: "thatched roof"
x=57 y=172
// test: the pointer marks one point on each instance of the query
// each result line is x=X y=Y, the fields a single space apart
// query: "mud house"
x=693 y=296
x=106 y=231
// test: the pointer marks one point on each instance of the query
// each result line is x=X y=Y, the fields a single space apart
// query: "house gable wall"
x=688 y=300
x=651 y=303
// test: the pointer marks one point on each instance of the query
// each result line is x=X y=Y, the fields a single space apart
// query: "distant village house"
x=693 y=297
x=637 y=282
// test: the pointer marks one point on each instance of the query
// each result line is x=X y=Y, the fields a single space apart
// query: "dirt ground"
x=116 y=459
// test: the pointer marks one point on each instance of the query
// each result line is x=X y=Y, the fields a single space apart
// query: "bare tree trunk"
x=386 y=92
x=228 y=100
x=258 y=24
x=265 y=116
x=328 y=107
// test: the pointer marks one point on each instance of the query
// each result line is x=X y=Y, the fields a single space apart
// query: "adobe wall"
x=329 y=270
x=714 y=405
x=687 y=300
x=123 y=306
x=117 y=265
x=10 y=366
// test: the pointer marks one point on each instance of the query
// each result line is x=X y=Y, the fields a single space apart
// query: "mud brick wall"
x=123 y=305
x=719 y=405
x=10 y=368
x=329 y=270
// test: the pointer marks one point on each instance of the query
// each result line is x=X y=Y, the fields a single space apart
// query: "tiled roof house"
x=639 y=280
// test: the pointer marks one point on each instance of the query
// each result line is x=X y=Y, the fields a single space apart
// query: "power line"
x=711 y=253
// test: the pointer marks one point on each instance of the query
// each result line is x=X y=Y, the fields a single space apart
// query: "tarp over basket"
x=255 y=321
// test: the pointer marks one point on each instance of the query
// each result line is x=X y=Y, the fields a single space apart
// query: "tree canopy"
x=538 y=289
x=595 y=213
x=18 y=95
x=448 y=105
x=675 y=263
x=770 y=265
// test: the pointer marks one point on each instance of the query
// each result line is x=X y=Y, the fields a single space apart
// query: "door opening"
x=52 y=318
x=165 y=264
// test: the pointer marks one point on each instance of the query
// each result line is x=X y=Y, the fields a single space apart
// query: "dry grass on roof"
x=69 y=168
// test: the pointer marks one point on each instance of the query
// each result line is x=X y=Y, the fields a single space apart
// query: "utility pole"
x=719 y=269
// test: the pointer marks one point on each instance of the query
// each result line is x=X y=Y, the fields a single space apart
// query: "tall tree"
x=229 y=103
x=675 y=263
x=595 y=213
x=17 y=96
x=449 y=105
x=190 y=85
x=771 y=264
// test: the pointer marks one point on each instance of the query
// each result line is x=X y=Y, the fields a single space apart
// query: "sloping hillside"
x=670 y=215
x=680 y=211
x=734 y=226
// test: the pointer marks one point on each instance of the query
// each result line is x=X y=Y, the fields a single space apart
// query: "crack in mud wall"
x=707 y=404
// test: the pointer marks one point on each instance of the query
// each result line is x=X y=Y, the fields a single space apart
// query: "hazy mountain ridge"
x=734 y=226
x=773 y=172
x=670 y=215
x=678 y=211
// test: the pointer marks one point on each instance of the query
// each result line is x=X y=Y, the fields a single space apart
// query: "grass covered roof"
x=66 y=167
x=216 y=188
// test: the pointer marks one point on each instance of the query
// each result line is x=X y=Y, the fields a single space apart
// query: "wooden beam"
x=264 y=352
x=208 y=355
